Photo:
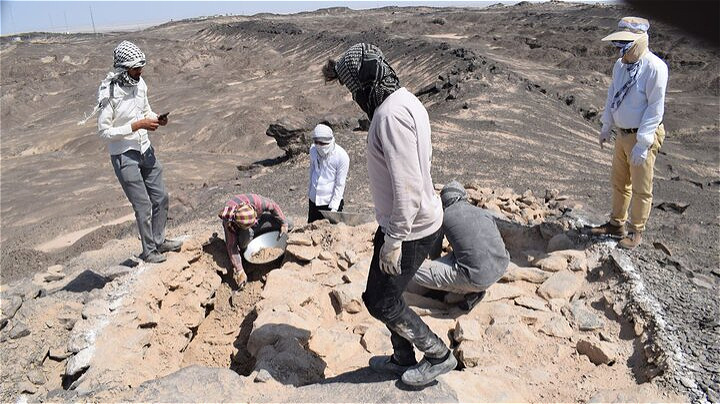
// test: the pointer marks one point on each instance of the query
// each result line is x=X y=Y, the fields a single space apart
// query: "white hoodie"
x=399 y=151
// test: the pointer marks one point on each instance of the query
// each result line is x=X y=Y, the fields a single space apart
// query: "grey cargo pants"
x=140 y=175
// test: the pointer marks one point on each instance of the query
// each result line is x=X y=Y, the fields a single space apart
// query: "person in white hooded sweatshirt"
x=409 y=213
x=329 y=165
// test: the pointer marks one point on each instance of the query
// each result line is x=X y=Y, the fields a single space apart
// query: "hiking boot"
x=387 y=364
x=470 y=300
x=170 y=245
x=632 y=240
x=425 y=372
x=153 y=257
x=608 y=229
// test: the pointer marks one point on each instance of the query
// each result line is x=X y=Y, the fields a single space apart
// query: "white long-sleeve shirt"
x=127 y=105
x=644 y=103
x=327 y=185
x=399 y=151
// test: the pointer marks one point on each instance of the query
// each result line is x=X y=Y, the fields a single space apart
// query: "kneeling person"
x=479 y=257
x=243 y=217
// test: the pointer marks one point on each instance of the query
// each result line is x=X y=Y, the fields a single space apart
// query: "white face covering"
x=323 y=151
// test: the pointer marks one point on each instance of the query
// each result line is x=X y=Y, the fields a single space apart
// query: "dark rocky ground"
x=514 y=95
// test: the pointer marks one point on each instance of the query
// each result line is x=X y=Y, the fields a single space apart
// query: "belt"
x=629 y=131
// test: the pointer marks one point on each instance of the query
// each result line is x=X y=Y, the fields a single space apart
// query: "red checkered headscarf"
x=243 y=216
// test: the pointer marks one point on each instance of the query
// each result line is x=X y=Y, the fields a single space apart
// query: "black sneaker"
x=608 y=229
x=153 y=258
x=387 y=364
x=170 y=245
x=470 y=300
x=425 y=372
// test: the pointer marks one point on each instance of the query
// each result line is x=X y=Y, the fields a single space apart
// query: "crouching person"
x=478 y=258
x=245 y=216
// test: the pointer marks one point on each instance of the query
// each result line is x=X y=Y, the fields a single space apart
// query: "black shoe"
x=471 y=300
x=425 y=372
x=387 y=364
x=609 y=229
x=170 y=245
x=153 y=258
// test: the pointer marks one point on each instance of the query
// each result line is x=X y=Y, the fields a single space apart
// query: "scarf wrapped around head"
x=324 y=134
x=365 y=72
x=630 y=54
x=126 y=56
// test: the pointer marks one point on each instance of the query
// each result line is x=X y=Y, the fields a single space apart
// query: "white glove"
x=390 y=255
x=333 y=209
x=638 y=155
x=605 y=135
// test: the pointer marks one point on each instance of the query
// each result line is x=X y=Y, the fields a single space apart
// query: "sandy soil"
x=519 y=91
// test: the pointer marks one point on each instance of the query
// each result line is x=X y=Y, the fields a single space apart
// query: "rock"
x=376 y=340
x=58 y=353
x=53 y=277
x=81 y=337
x=556 y=326
x=19 y=330
x=191 y=384
x=561 y=285
x=552 y=263
x=531 y=303
x=302 y=253
x=577 y=265
x=325 y=343
x=95 y=308
x=290 y=136
x=599 y=352
x=27 y=387
x=586 y=320
x=262 y=376
x=79 y=362
x=500 y=291
x=351 y=257
x=471 y=353
x=662 y=247
x=467 y=329
x=9 y=304
x=551 y=194
x=115 y=271
x=299 y=240
x=532 y=275
x=37 y=377
x=273 y=325
x=348 y=296
x=325 y=255
x=342 y=265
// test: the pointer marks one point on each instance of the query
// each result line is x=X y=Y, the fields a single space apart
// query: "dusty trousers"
x=383 y=299
x=140 y=175
x=632 y=186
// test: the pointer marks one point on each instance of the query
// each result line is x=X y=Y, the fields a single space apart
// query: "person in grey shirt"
x=478 y=258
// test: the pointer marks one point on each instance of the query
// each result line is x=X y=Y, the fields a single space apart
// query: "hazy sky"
x=74 y=16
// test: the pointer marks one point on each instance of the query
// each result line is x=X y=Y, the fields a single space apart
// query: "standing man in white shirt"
x=124 y=119
x=635 y=106
x=329 y=164
x=407 y=209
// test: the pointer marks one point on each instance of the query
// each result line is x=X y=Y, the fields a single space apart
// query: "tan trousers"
x=633 y=185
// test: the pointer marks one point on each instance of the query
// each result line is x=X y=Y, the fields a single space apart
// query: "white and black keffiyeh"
x=365 y=72
x=126 y=56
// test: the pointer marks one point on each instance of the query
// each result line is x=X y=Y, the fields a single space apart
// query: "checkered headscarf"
x=243 y=216
x=125 y=56
x=365 y=72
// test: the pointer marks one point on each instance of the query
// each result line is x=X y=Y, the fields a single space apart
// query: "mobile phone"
x=163 y=116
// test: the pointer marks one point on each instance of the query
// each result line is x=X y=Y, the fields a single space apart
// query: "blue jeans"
x=383 y=299
x=140 y=175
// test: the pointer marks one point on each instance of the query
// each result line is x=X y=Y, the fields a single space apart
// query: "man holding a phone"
x=124 y=119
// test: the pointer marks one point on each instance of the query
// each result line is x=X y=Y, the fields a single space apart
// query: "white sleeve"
x=400 y=147
x=653 y=115
x=341 y=171
x=105 y=121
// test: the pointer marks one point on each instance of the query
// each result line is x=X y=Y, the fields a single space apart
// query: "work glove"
x=605 y=135
x=390 y=255
x=638 y=155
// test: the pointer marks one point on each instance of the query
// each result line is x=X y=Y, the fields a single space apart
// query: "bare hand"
x=146 y=123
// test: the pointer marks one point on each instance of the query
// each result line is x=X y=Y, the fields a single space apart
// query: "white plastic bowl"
x=265 y=240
